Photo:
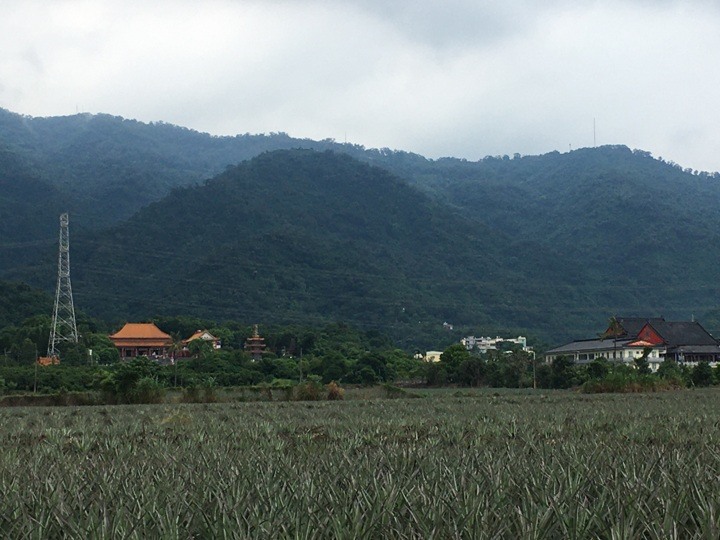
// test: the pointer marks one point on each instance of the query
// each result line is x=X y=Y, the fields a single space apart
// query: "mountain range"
x=166 y=220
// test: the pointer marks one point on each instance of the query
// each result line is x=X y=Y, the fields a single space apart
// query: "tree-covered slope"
x=19 y=301
x=645 y=230
x=303 y=236
x=112 y=166
x=624 y=232
x=29 y=212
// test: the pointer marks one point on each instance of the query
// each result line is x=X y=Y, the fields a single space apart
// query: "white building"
x=485 y=344
x=433 y=356
x=686 y=342
x=620 y=350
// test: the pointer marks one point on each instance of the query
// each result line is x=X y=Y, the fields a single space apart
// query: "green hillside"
x=29 y=212
x=644 y=229
x=111 y=167
x=298 y=236
x=19 y=301
x=550 y=244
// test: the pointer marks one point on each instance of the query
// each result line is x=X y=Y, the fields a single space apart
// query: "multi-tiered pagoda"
x=255 y=344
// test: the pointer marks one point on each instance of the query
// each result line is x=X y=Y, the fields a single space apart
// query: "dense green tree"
x=24 y=352
x=363 y=374
x=563 y=373
x=641 y=362
x=598 y=368
x=436 y=374
x=472 y=371
x=702 y=374
x=333 y=367
x=367 y=260
x=377 y=362
x=404 y=366
x=669 y=369
x=451 y=359
x=200 y=348
x=544 y=376
x=20 y=302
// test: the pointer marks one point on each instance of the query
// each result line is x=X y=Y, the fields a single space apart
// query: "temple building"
x=203 y=335
x=255 y=345
x=141 y=339
x=629 y=338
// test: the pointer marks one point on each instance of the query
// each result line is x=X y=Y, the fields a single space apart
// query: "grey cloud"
x=463 y=78
x=32 y=58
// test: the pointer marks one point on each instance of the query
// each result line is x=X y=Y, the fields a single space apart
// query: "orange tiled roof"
x=640 y=343
x=48 y=360
x=140 y=331
x=198 y=334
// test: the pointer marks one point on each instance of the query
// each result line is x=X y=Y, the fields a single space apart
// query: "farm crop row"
x=480 y=465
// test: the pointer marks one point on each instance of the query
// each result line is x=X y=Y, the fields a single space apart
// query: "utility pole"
x=36 y=370
x=534 y=375
x=64 y=327
x=300 y=368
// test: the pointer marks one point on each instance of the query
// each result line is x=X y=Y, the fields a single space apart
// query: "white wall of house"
x=624 y=354
x=433 y=356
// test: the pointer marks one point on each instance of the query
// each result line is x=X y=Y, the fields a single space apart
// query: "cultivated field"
x=467 y=465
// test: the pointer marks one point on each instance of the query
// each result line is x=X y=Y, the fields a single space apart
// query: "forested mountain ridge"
x=112 y=166
x=644 y=228
x=621 y=231
x=29 y=210
x=297 y=236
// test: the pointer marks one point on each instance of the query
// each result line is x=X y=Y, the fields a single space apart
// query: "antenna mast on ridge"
x=594 y=135
x=64 y=327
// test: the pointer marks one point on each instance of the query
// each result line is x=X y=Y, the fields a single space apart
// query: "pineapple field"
x=465 y=464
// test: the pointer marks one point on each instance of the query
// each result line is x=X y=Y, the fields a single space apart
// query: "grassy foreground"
x=477 y=465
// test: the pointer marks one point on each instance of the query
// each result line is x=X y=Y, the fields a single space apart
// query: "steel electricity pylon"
x=64 y=327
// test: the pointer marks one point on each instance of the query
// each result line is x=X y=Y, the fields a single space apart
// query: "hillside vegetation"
x=297 y=236
x=549 y=245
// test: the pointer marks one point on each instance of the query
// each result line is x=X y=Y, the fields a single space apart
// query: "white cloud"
x=461 y=78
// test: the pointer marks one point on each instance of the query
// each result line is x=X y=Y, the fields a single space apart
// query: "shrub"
x=702 y=374
x=629 y=383
x=191 y=394
x=147 y=390
x=209 y=388
x=335 y=393
x=309 y=390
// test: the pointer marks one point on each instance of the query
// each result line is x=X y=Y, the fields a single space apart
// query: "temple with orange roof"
x=202 y=335
x=141 y=339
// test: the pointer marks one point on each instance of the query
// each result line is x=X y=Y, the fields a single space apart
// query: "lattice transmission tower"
x=64 y=327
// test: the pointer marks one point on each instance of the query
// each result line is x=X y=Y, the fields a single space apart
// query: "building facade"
x=142 y=339
x=485 y=344
x=628 y=338
x=202 y=335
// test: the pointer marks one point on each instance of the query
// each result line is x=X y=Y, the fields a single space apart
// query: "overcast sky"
x=464 y=78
